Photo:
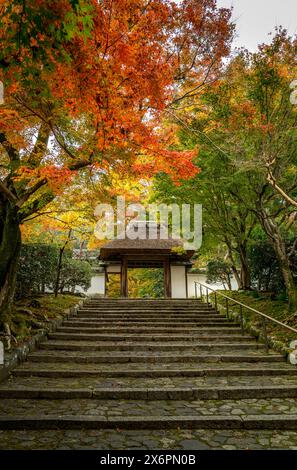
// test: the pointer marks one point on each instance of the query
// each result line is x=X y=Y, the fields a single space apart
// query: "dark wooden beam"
x=124 y=278
x=167 y=279
x=106 y=282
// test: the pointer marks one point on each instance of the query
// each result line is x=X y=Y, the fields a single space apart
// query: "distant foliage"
x=219 y=270
x=38 y=270
x=146 y=283
x=142 y=283
x=265 y=269
x=113 y=286
x=75 y=273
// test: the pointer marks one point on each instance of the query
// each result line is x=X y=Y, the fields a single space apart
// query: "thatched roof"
x=144 y=239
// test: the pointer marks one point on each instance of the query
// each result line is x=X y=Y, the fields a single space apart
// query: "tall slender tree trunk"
x=60 y=264
x=59 y=268
x=228 y=280
x=245 y=276
x=10 y=247
x=281 y=253
x=233 y=264
x=278 y=243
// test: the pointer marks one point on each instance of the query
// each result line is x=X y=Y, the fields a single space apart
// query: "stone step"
x=150 y=307
x=149 y=358
x=152 y=330
x=135 y=383
x=140 y=305
x=88 y=336
x=30 y=370
x=81 y=345
x=147 y=315
x=152 y=317
x=151 y=311
x=157 y=324
x=180 y=439
x=271 y=413
x=161 y=322
x=147 y=304
x=214 y=336
x=93 y=323
x=141 y=301
x=271 y=422
x=93 y=318
x=157 y=393
x=268 y=406
x=178 y=367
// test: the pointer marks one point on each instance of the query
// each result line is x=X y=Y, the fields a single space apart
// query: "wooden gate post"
x=124 y=278
x=167 y=279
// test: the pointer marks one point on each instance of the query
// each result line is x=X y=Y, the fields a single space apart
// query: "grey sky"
x=255 y=19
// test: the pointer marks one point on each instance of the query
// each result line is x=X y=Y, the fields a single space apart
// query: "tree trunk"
x=280 y=250
x=59 y=267
x=229 y=282
x=233 y=265
x=245 y=277
x=10 y=247
x=275 y=236
x=60 y=262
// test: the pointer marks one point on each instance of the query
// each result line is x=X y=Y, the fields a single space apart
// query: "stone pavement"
x=150 y=374
x=148 y=440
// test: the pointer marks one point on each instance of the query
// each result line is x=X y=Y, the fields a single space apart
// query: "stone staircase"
x=150 y=365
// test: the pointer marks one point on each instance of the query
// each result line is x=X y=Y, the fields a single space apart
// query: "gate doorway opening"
x=146 y=283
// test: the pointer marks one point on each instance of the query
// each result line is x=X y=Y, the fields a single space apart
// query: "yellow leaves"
x=129 y=187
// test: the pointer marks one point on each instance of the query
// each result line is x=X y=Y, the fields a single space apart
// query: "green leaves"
x=79 y=21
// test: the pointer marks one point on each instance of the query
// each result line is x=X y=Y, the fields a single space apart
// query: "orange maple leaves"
x=120 y=76
x=56 y=178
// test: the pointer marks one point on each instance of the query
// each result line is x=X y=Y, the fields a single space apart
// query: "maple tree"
x=245 y=126
x=86 y=83
x=258 y=126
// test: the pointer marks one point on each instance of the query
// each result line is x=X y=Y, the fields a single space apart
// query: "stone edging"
x=19 y=355
x=277 y=346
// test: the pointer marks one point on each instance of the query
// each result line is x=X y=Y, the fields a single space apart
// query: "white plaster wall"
x=97 y=285
x=178 y=282
x=202 y=278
